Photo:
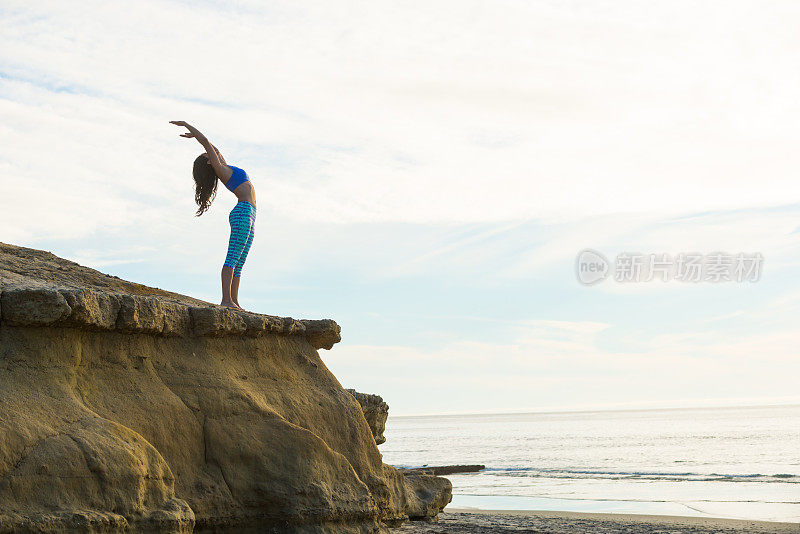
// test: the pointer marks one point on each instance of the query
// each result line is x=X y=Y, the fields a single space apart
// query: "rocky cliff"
x=376 y=411
x=123 y=405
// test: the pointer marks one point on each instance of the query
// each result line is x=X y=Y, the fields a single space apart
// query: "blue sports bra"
x=237 y=178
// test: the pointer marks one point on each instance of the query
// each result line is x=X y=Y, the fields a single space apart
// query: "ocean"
x=718 y=462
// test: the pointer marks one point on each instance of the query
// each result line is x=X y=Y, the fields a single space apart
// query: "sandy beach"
x=499 y=521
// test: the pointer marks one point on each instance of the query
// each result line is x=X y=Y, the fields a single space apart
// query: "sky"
x=426 y=174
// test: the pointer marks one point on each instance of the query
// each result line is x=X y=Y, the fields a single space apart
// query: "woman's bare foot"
x=229 y=304
x=237 y=305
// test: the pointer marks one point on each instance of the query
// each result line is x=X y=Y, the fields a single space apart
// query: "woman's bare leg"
x=235 y=290
x=227 y=276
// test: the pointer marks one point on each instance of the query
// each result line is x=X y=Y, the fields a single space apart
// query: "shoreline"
x=470 y=520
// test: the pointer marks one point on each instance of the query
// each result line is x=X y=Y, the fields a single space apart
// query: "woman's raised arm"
x=220 y=167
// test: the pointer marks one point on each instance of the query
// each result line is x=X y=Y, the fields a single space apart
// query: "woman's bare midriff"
x=246 y=193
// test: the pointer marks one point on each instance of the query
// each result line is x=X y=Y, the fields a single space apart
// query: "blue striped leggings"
x=243 y=221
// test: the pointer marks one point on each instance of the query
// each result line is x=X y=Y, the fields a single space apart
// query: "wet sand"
x=457 y=521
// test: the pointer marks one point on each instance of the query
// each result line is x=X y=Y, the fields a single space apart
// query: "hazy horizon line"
x=584 y=410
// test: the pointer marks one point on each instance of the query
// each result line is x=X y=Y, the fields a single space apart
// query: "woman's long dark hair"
x=205 y=181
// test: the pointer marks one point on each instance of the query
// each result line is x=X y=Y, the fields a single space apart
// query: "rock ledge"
x=40 y=289
x=134 y=314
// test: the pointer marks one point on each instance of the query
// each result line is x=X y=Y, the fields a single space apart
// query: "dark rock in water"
x=445 y=469
x=375 y=412
x=128 y=407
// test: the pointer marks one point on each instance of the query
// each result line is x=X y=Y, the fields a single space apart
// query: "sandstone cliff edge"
x=125 y=406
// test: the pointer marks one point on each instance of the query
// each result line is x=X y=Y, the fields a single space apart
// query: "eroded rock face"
x=376 y=411
x=426 y=495
x=34 y=306
x=126 y=406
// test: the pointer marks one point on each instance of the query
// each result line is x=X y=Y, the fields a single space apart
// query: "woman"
x=208 y=168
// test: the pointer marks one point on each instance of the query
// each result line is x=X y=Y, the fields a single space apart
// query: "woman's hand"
x=193 y=132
